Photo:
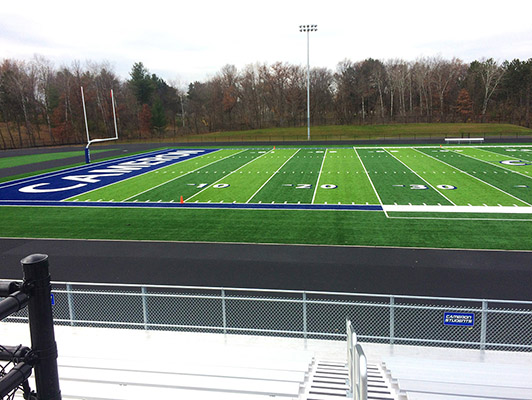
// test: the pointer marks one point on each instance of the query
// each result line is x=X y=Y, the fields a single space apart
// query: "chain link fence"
x=430 y=321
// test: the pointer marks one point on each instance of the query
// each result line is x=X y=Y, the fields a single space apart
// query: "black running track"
x=449 y=273
x=425 y=272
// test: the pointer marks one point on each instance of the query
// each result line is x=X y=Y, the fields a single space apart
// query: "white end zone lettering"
x=58 y=185
x=33 y=188
x=88 y=178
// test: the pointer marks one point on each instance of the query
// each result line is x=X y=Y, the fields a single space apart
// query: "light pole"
x=308 y=29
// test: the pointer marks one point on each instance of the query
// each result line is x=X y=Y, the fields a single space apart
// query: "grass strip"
x=263 y=226
x=15 y=161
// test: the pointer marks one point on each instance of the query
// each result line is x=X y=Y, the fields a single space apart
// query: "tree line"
x=41 y=104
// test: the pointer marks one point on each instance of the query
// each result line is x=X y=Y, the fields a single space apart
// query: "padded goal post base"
x=87 y=155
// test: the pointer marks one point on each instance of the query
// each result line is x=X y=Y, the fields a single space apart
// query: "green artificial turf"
x=402 y=175
x=264 y=226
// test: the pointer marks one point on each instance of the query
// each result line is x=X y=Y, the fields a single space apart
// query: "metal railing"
x=31 y=296
x=429 y=321
x=357 y=365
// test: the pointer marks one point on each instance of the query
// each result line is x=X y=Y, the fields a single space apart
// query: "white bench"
x=462 y=372
x=464 y=390
x=446 y=379
x=432 y=396
x=105 y=391
x=466 y=140
x=179 y=382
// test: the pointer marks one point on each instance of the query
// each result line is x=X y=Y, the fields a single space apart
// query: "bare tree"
x=445 y=74
x=490 y=73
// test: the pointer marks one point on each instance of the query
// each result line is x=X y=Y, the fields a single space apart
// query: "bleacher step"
x=330 y=382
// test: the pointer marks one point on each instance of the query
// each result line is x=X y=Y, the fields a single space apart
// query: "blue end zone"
x=71 y=182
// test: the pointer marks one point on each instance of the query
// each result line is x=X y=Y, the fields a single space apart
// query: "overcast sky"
x=192 y=40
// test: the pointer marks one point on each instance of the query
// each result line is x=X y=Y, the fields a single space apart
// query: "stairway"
x=328 y=381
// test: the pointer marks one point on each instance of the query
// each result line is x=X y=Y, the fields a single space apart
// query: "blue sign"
x=52 y=298
x=459 y=319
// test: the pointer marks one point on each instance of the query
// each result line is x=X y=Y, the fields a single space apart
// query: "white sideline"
x=458 y=209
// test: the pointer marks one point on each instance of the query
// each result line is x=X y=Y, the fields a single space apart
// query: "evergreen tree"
x=158 y=117
x=141 y=83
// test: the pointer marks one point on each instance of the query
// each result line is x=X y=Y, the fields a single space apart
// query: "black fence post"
x=36 y=275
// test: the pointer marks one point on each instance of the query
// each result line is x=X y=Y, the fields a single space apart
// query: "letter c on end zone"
x=33 y=188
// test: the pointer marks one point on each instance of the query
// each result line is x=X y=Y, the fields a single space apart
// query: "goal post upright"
x=89 y=140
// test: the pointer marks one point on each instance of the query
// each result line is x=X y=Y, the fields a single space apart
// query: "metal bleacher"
x=434 y=379
x=119 y=364
x=104 y=363
x=136 y=356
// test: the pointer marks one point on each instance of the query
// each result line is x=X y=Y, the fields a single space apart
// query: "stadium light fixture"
x=308 y=29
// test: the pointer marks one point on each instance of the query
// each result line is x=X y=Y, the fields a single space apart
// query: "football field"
x=423 y=180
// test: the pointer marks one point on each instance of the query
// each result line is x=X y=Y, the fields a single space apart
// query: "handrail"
x=357 y=366
x=285 y=291
x=396 y=320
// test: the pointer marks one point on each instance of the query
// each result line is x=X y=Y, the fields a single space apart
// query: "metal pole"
x=36 y=275
x=305 y=317
x=70 y=300
x=114 y=113
x=224 y=314
x=85 y=115
x=87 y=151
x=308 y=29
x=392 y=319
x=483 y=325
x=144 y=291
x=308 y=85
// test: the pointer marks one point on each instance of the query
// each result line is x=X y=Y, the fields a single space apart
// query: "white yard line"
x=370 y=181
x=180 y=176
x=214 y=183
x=319 y=175
x=419 y=176
x=264 y=184
x=478 y=179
